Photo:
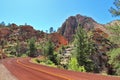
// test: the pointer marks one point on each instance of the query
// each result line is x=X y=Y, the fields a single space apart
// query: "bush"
x=49 y=62
x=81 y=69
x=44 y=62
x=114 y=59
x=118 y=71
x=37 y=60
x=73 y=65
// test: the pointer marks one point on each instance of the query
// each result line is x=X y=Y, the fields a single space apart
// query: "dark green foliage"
x=83 y=48
x=49 y=51
x=58 y=58
x=51 y=30
x=32 y=47
x=45 y=62
x=49 y=48
x=37 y=60
x=2 y=24
x=114 y=55
x=115 y=11
x=114 y=59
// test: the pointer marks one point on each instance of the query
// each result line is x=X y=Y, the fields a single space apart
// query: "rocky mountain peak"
x=69 y=27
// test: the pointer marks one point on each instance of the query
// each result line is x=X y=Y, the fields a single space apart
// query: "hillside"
x=101 y=35
x=12 y=33
x=15 y=40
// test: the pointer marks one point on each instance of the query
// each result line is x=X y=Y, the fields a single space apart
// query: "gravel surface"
x=5 y=74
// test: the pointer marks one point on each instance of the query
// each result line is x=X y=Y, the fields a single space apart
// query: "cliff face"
x=69 y=27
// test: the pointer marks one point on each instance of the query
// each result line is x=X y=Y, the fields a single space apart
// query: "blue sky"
x=42 y=14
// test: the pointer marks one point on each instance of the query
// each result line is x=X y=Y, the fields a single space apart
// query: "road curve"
x=25 y=70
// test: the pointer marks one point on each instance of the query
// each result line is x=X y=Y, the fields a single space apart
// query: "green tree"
x=51 y=30
x=2 y=24
x=32 y=47
x=114 y=54
x=114 y=59
x=49 y=50
x=83 y=49
x=115 y=11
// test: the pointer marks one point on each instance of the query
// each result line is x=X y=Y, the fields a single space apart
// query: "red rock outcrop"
x=58 y=39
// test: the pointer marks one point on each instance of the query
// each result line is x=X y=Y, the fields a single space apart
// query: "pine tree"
x=49 y=50
x=83 y=48
x=32 y=47
x=51 y=30
x=115 y=11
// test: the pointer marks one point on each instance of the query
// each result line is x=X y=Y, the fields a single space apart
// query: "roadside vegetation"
x=43 y=61
x=89 y=51
x=76 y=58
x=114 y=54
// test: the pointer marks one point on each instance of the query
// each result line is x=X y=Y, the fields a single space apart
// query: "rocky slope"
x=14 y=40
x=100 y=37
x=23 y=33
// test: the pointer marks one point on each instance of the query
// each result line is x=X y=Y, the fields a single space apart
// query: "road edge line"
x=43 y=71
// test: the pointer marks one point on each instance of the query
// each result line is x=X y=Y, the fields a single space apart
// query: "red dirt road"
x=24 y=70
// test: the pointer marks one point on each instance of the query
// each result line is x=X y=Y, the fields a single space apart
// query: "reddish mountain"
x=100 y=35
x=25 y=32
x=69 y=27
x=22 y=33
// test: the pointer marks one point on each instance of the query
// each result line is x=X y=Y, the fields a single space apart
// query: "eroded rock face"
x=69 y=27
x=102 y=45
x=100 y=35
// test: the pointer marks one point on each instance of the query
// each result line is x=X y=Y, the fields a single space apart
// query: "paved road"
x=25 y=70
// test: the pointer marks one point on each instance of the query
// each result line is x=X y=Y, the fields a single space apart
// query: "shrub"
x=114 y=59
x=37 y=60
x=73 y=65
x=81 y=69
x=44 y=62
